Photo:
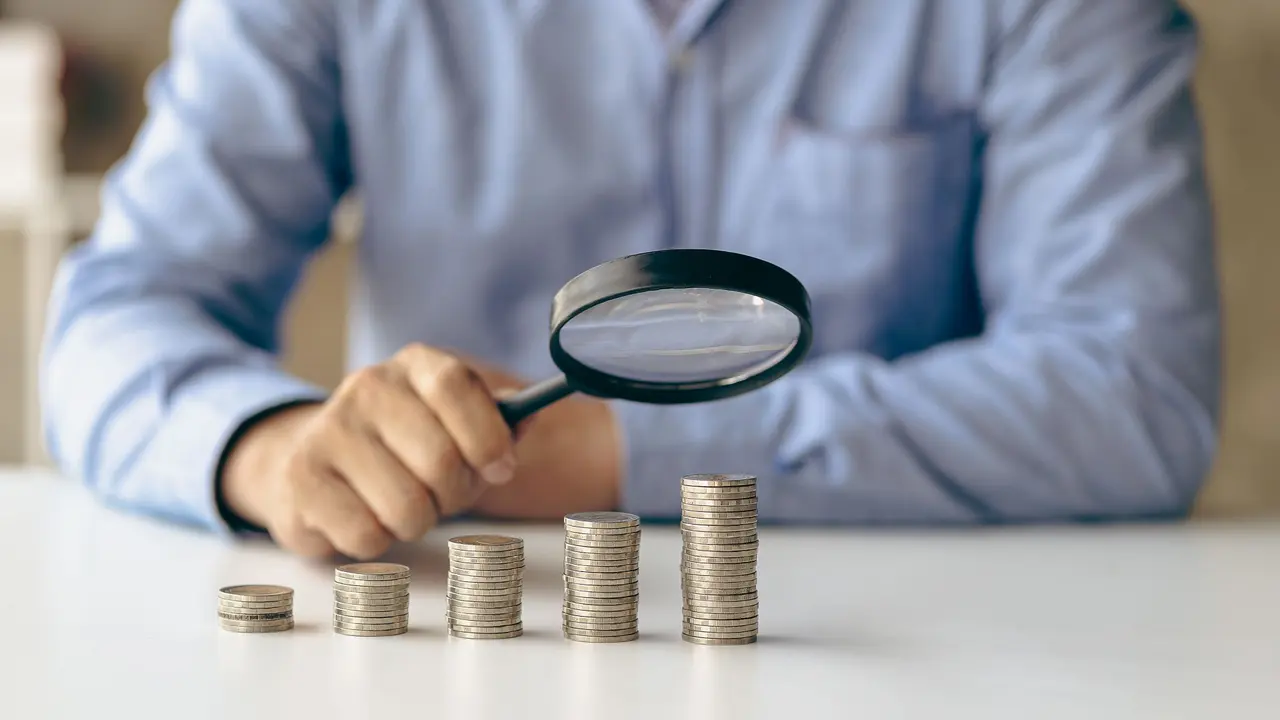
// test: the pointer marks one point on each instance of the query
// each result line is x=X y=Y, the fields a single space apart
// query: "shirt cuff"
x=663 y=443
x=187 y=452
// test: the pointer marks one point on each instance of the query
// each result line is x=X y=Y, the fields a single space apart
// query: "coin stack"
x=601 y=577
x=718 y=565
x=486 y=584
x=255 y=608
x=371 y=599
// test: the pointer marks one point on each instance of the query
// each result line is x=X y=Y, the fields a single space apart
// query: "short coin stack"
x=255 y=608
x=718 y=565
x=601 y=577
x=371 y=599
x=486 y=585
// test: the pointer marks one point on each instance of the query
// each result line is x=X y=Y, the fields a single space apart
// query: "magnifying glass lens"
x=682 y=335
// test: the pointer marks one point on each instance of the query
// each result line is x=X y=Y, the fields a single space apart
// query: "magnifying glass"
x=670 y=327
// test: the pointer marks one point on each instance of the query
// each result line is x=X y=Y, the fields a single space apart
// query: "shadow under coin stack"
x=601 y=577
x=371 y=599
x=718 y=565
x=255 y=608
x=486 y=586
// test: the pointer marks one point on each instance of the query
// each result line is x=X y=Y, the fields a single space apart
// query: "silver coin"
x=233 y=622
x=733 y=614
x=486 y=558
x=726 y=493
x=349 y=585
x=737 y=566
x=258 y=628
x=348 y=625
x=375 y=604
x=371 y=613
x=576 y=540
x=467 y=575
x=596 y=582
x=393 y=596
x=584 y=623
x=488 y=596
x=479 y=605
x=460 y=616
x=721 y=572
x=234 y=606
x=255 y=617
x=718 y=641
x=720 y=601
x=621 y=574
x=579 y=594
x=622 y=612
x=718 y=518
x=588 y=573
x=721 y=549
x=595 y=542
x=372 y=571
x=371 y=633
x=601 y=603
x=359 y=622
x=500 y=624
x=717 y=480
x=578 y=556
x=255 y=593
x=693 y=502
x=723 y=625
x=485 y=636
x=581 y=632
x=503 y=609
x=743 y=556
x=717 y=588
x=709 y=534
x=602 y=519
x=486 y=628
x=588 y=638
x=604 y=533
x=718 y=635
x=713 y=541
x=459 y=565
x=495 y=543
x=481 y=584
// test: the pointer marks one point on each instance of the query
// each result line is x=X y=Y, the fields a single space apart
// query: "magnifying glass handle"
x=533 y=398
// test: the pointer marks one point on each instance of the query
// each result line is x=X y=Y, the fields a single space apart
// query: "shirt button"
x=682 y=61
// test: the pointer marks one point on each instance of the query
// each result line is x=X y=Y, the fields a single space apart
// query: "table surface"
x=112 y=615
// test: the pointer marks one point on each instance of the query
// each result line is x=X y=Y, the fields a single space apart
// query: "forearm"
x=142 y=388
x=1018 y=428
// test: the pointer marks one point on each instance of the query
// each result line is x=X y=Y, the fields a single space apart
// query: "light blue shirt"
x=998 y=207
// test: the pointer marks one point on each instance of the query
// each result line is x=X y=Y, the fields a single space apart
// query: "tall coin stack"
x=371 y=599
x=601 y=577
x=255 y=608
x=718 y=565
x=486 y=585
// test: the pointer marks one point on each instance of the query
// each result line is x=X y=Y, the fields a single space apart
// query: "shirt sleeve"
x=1092 y=392
x=163 y=330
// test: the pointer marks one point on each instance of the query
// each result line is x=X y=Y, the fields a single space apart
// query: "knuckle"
x=450 y=376
x=412 y=354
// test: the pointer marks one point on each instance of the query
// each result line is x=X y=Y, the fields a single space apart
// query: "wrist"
x=253 y=463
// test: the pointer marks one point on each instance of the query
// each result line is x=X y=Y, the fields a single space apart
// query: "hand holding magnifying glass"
x=670 y=327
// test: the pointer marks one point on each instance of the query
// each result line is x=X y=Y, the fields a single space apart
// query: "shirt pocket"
x=870 y=222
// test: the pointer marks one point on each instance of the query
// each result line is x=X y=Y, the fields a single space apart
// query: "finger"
x=294 y=536
x=328 y=505
x=401 y=502
x=428 y=452
x=458 y=397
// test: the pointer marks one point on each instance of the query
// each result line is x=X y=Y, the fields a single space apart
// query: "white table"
x=108 y=615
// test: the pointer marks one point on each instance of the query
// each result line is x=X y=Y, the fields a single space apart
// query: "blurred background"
x=71 y=78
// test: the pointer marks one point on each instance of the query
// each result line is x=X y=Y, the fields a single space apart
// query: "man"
x=997 y=205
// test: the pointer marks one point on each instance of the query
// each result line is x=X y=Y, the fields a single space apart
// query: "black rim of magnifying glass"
x=675 y=269
x=662 y=270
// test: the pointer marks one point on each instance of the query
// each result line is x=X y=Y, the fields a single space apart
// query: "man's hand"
x=398 y=447
x=570 y=458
